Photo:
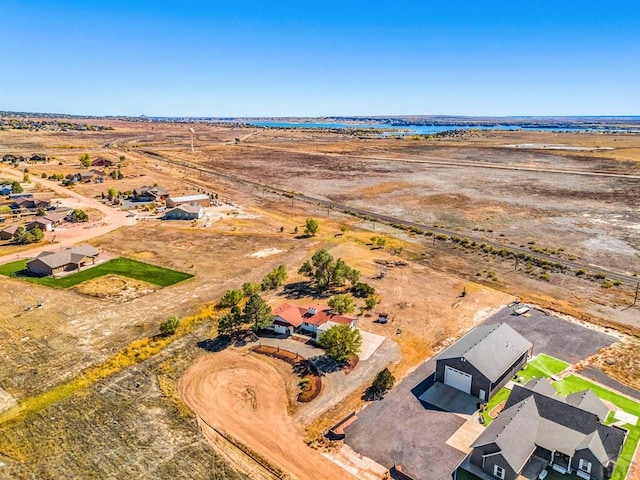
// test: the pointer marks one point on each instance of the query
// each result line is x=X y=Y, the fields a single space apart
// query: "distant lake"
x=427 y=129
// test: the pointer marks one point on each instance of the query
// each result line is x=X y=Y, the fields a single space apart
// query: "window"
x=498 y=471
x=584 y=465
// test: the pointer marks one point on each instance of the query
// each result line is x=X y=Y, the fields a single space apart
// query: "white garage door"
x=457 y=379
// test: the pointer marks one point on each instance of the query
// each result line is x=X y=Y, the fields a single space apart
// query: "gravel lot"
x=399 y=428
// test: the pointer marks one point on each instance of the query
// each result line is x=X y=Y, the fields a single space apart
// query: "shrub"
x=169 y=326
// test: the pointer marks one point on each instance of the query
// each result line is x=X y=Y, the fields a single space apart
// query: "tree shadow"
x=302 y=290
x=217 y=344
x=325 y=364
x=222 y=342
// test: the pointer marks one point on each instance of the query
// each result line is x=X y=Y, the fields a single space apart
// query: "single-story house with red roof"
x=290 y=318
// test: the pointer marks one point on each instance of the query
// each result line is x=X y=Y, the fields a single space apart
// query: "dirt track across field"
x=246 y=398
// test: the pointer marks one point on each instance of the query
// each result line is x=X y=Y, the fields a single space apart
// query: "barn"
x=484 y=360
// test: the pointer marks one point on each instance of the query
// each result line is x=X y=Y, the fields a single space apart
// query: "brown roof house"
x=29 y=203
x=540 y=430
x=7 y=233
x=102 y=162
x=73 y=258
x=150 y=194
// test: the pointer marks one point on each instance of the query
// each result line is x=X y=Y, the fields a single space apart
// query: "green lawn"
x=124 y=267
x=573 y=383
x=542 y=366
x=501 y=396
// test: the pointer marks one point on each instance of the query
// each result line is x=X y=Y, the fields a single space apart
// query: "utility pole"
x=635 y=299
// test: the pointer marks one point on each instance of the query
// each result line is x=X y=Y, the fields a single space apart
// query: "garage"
x=457 y=379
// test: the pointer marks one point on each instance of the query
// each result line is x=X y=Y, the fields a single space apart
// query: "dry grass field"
x=133 y=424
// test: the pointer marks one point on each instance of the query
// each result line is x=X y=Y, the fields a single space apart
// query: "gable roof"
x=589 y=401
x=492 y=349
x=185 y=208
x=67 y=256
x=514 y=433
x=532 y=419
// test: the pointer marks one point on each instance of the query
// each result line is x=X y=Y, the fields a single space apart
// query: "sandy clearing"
x=246 y=398
x=265 y=253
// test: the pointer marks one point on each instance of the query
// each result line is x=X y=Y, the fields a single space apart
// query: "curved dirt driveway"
x=246 y=398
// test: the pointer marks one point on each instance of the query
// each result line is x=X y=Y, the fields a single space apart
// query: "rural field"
x=88 y=387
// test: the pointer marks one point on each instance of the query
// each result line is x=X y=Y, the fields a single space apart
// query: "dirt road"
x=246 y=398
x=66 y=237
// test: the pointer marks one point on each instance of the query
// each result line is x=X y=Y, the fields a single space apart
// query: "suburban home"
x=56 y=218
x=12 y=158
x=91 y=176
x=38 y=157
x=184 y=212
x=5 y=189
x=150 y=194
x=28 y=203
x=484 y=360
x=42 y=223
x=102 y=162
x=288 y=319
x=199 y=199
x=7 y=233
x=73 y=258
x=539 y=429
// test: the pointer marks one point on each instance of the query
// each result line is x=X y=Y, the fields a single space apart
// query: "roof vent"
x=312 y=311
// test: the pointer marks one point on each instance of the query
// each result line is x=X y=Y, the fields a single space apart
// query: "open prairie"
x=542 y=192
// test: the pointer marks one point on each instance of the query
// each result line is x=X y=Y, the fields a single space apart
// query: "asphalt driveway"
x=400 y=429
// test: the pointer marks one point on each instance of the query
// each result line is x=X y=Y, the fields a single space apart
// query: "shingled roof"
x=533 y=419
x=70 y=255
x=492 y=349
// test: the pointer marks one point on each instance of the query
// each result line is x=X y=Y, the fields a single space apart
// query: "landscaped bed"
x=124 y=267
x=310 y=383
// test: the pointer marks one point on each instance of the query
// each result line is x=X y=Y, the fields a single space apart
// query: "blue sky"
x=324 y=57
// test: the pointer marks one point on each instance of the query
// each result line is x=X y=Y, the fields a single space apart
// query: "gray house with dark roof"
x=484 y=360
x=539 y=429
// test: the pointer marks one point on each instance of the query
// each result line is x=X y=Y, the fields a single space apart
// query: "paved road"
x=400 y=429
x=112 y=220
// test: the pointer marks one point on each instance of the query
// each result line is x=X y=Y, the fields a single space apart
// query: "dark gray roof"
x=513 y=432
x=541 y=385
x=532 y=418
x=589 y=401
x=492 y=349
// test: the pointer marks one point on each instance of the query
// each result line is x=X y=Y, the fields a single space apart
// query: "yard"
x=124 y=267
x=546 y=366
x=573 y=383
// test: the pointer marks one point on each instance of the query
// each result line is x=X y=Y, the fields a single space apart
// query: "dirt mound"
x=115 y=287
x=246 y=398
